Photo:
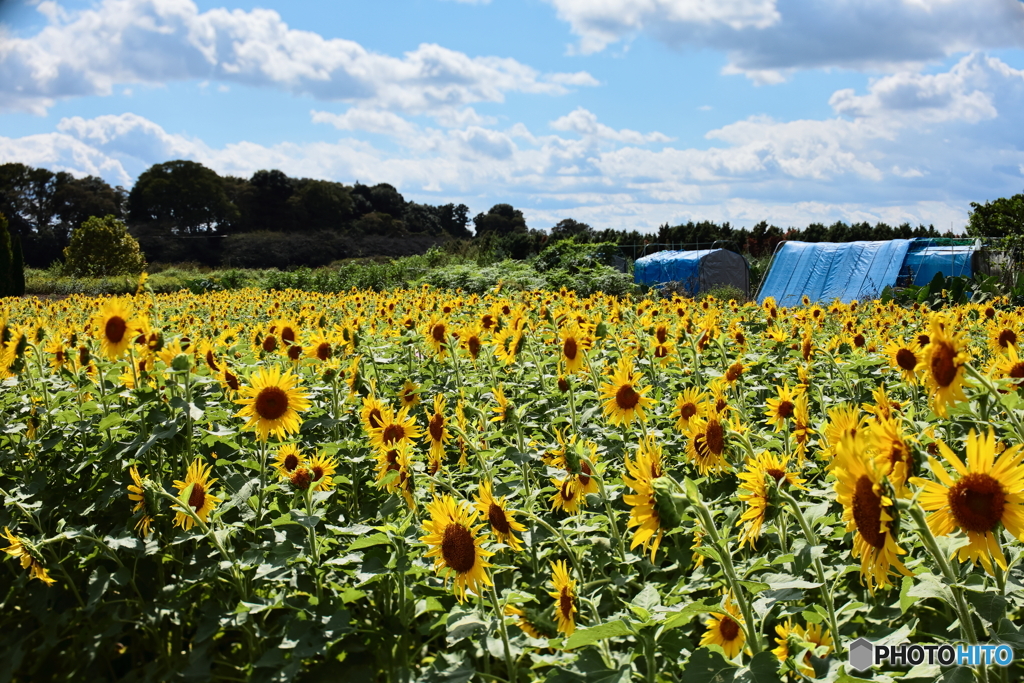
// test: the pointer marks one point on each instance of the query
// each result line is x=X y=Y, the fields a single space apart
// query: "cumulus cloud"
x=156 y=41
x=882 y=157
x=767 y=39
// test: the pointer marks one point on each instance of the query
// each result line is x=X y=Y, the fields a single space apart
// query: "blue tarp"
x=824 y=271
x=922 y=263
x=669 y=266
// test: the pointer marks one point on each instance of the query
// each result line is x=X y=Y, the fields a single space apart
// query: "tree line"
x=182 y=211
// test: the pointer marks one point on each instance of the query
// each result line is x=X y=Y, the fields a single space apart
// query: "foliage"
x=17 y=268
x=6 y=260
x=102 y=247
x=281 y=580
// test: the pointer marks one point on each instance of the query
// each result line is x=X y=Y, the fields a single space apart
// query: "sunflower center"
x=392 y=460
x=943 y=367
x=301 y=479
x=269 y=343
x=197 y=498
x=563 y=385
x=626 y=397
x=288 y=335
x=437 y=332
x=115 y=329
x=977 y=501
x=317 y=472
x=374 y=418
x=210 y=361
x=923 y=339
x=569 y=349
x=661 y=334
x=271 y=403
x=867 y=512
x=294 y=352
x=859 y=341
x=474 y=346
x=231 y=380
x=584 y=474
x=714 y=437
x=291 y=461
x=393 y=432
x=688 y=410
x=1017 y=371
x=487 y=321
x=496 y=516
x=565 y=603
x=785 y=409
x=436 y=426
x=568 y=492
x=458 y=549
x=729 y=629
x=1007 y=338
x=906 y=359
x=776 y=473
x=323 y=351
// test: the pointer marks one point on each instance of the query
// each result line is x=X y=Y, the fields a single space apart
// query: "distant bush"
x=102 y=247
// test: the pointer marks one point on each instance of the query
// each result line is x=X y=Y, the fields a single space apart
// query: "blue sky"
x=620 y=113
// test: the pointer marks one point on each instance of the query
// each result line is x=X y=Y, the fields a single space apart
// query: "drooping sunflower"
x=199 y=498
x=623 y=400
x=436 y=335
x=288 y=459
x=789 y=634
x=137 y=494
x=455 y=544
x=781 y=408
x=532 y=622
x=643 y=504
x=725 y=630
x=394 y=429
x=397 y=459
x=801 y=427
x=114 y=329
x=868 y=511
x=977 y=497
x=707 y=445
x=691 y=403
x=272 y=403
x=27 y=554
x=502 y=520
x=945 y=358
x=503 y=407
x=754 y=490
x=565 y=598
x=891 y=443
x=569 y=495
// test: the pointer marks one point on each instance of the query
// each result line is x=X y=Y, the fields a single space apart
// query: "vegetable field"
x=422 y=485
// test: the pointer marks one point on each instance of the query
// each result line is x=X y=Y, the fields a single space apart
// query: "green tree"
x=500 y=219
x=6 y=260
x=184 y=197
x=1003 y=218
x=17 y=268
x=102 y=246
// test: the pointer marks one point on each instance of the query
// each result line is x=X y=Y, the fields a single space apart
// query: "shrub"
x=102 y=247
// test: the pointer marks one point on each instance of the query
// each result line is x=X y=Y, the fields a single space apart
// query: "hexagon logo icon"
x=862 y=654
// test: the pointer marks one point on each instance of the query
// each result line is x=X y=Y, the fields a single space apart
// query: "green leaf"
x=369 y=541
x=763 y=668
x=959 y=674
x=586 y=636
x=708 y=666
x=989 y=606
x=780 y=581
x=685 y=615
x=906 y=599
x=111 y=420
x=931 y=586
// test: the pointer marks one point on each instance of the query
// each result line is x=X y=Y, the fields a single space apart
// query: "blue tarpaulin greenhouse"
x=824 y=271
x=925 y=259
x=697 y=271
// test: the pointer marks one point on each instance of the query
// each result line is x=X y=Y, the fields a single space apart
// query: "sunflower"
x=979 y=496
x=409 y=394
x=272 y=403
x=320 y=347
x=1002 y=338
x=396 y=459
x=905 y=357
x=565 y=597
x=437 y=434
x=198 y=482
x=569 y=495
x=286 y=330
x=781 y=408
x=470 y=340
x=393 y=429
x=844 y=420
x=725 y=630
x=643 y=504
x=436 y=334
x=868 y=512
x=502 y=520
x=115 y=329
x=1010 y=366
x=692 y=402
x=508 y=343
x=503 y=408
x=455 y=543
x=754 y=490
x=137 y=494
x=19 y=548
x=623 y=400
x=891 y=443
x=574 y=344
x=801 y=427
x=815 y=635
x=321 y=467
x=706 y=447
x=371 y=414
x=229 y=381
x=945 y=358
x=288 y=459
x=532 y=622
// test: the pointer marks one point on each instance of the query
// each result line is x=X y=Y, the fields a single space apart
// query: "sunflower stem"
x=991 y=388
x=819 y=570
x=263 y=486
x=730 y=574
x=499 y=614
x=619 y=543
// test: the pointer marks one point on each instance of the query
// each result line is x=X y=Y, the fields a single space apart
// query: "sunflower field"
x=423 y=485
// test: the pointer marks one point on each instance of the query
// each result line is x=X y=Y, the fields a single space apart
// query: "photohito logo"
x=864 y=654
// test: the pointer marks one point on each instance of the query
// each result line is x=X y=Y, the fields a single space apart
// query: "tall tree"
x=266 y=203
x=17 y=268
x=6 y=260
x=183 y=197
x=500 y=219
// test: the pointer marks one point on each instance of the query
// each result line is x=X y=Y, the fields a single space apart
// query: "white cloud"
x=156 y=41
x=767 y=39
x=881 y=158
